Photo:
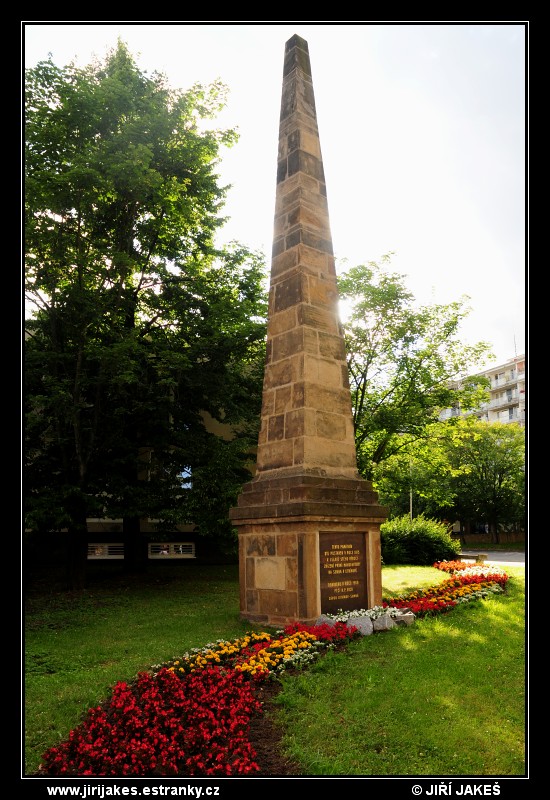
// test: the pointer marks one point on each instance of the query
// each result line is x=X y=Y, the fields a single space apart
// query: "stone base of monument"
x=296 y=568
x=309 y=544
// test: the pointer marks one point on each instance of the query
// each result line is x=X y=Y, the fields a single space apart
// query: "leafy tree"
x=418 y=475
x=141 y=326
x=402 y=361
x=488 y=473
x=465 y=470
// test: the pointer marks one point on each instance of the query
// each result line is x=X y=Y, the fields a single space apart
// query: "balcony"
x=514 y=418
x=503 y=402
x=503 y=382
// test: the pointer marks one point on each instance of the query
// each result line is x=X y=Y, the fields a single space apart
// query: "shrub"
x=419 y=541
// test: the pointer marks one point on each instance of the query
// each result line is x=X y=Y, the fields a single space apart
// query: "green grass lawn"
x=444 y=697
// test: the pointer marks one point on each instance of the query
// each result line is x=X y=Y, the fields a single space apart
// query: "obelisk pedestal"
x=308 y=523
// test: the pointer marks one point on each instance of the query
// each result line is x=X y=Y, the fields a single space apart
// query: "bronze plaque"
x=343 y=567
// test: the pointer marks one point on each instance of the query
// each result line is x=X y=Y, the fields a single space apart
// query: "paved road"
x=504 y=558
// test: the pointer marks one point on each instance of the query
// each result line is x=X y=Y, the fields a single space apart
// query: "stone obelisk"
x=308 y=523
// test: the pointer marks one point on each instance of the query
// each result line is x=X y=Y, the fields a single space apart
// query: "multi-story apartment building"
x=507 y=394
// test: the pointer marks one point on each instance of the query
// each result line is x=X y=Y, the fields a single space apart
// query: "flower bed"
x=191 y=716
x=467 y=583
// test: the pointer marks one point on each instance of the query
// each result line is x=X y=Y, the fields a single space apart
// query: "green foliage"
x=467 y=470
x=422 y=470
x=142 y=328
x=402 y=361
x=487 y=463
x=418 y=541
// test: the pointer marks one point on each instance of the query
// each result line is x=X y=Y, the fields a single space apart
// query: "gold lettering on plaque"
x=343 y=570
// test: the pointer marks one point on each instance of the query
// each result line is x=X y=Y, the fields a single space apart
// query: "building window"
x=105 y=550
x=166 y=550
x=162 y=550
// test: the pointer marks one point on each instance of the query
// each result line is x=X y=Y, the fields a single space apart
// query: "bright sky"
x=422 y=129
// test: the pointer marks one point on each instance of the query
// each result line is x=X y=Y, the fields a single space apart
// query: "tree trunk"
x=135 y=548
x=495 y=534
x=77 y=550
